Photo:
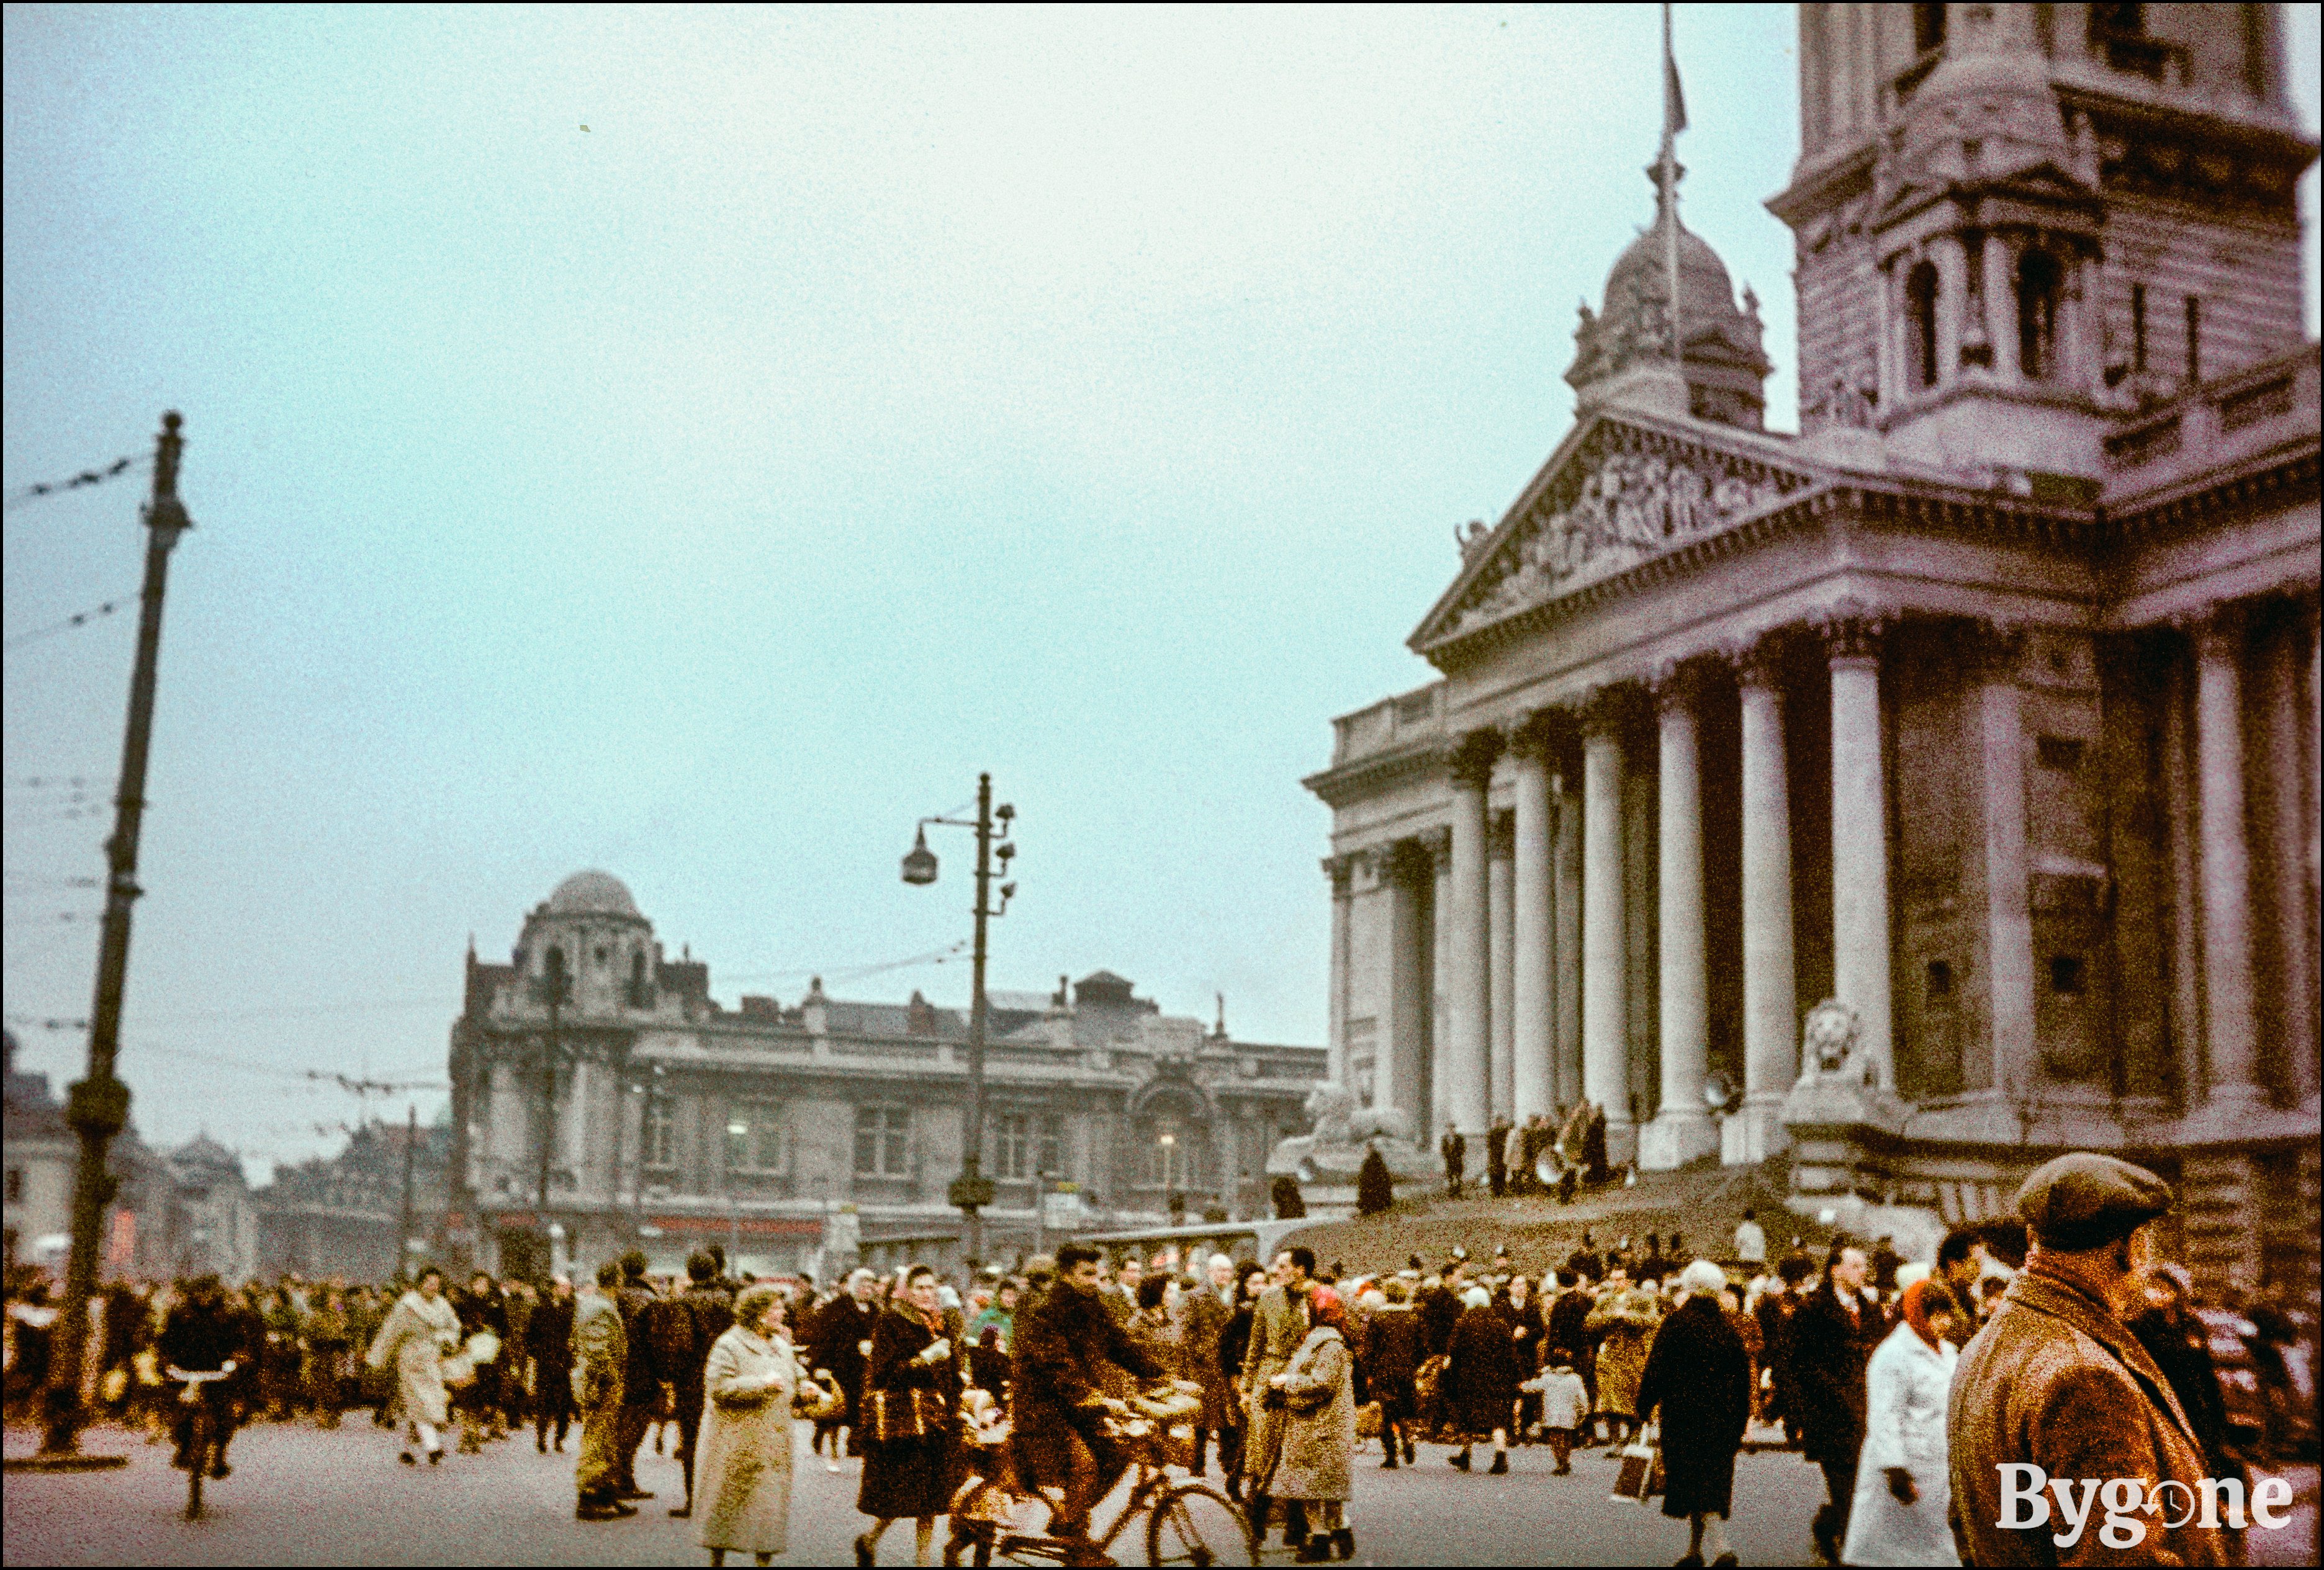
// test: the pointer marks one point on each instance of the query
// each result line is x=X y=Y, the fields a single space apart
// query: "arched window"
x=2039 y=278
x=1921 y=313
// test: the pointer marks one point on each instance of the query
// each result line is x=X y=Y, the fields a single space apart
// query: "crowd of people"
x=1851 y=1355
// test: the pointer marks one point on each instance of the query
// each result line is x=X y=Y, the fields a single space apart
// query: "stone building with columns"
x=795 y=1135
x=1984 y=705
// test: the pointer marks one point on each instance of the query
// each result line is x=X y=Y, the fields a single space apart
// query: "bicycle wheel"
x=1195 y=1524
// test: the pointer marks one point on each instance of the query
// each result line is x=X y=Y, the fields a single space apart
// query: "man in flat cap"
x=2055 y=1381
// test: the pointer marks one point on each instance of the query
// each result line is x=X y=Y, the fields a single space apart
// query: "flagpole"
x=1669 y=184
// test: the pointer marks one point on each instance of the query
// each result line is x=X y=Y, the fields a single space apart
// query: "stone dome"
x=1705 y=288
x=592 y=894
x=1722 y=361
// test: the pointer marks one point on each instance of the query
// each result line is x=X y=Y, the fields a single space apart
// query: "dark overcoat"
x=1391 y=1355
x=1485 y=1369
x=1700 y=1376
x=1829 y=1350
x=908 y=1476
x=1064 y=1346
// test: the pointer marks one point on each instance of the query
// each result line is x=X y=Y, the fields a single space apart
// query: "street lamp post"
x=971 y=1192
x=556 y=986
x=1169 y=1145
x=97 y=1107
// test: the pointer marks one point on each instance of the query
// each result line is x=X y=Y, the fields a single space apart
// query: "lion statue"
x=1339 y=1122
x=1831 y=1037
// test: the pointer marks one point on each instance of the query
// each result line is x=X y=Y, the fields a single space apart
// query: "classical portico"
x=1986 y=707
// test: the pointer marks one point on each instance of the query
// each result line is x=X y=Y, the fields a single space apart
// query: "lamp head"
x=919 y=861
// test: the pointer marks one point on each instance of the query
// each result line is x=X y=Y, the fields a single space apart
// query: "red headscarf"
x=1324 y=1308
x=1923 y=1301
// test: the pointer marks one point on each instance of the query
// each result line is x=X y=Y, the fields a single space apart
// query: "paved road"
x=300 y=1496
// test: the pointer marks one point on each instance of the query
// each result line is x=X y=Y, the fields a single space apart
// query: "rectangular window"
x=661 y=1131
x=881 y=1138
x=1012 y=1145
x=15 y=1185
x=2194 y=341
x=1052 y=1157
x=2062 y=753
x=2138 y=328
x=754 y=1137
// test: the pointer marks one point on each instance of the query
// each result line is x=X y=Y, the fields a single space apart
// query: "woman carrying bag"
x=1319 y=1436
x=1699 y=1376
x=910 y=1390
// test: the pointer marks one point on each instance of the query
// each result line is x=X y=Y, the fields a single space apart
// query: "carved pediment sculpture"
x=1625 y=495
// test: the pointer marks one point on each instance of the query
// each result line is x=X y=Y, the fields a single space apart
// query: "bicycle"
x=202 y=1440
x=1186 y=1522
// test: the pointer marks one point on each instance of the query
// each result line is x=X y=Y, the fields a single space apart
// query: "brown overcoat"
x=2056 y=1381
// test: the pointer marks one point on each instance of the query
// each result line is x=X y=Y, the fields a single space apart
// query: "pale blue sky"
x=862 y=399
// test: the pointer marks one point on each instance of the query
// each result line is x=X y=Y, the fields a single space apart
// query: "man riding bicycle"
x=203 y=1335
x=1063 y=1348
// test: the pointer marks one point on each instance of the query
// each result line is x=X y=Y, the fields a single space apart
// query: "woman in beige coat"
x=1319 y=1434
x=417 y=1334
x=742 y=1456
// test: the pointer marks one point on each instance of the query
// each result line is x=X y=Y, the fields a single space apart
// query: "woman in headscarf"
x=421 y=1330
x=910 y=1389
x=1700 y=1377
x=1319 y=1434
x=742 y=1454
x=1903 y=1487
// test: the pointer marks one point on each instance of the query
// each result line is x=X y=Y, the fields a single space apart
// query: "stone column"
x=1605 y=1022
x=1682 y=1130
x=1461 y=1060
x=1860 y=836
x=1565 y=921
x=2008 y=895
x=2289 y=824
x=1532 y=945
x=2001 y=304
x=1400 y=1074
x=1500 y=876
x=1341 y=871
x=1770 y=1009
x=2227 y=1018
x=1439 y=841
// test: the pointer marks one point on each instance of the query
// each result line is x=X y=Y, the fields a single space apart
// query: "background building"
x=340 y=1217
x=1987 y=706
x=800 y=1135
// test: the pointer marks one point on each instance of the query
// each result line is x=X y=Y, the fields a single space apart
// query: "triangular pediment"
x=1621 y=489
x=2045 y=180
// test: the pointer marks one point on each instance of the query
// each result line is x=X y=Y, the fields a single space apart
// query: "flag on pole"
x=1673 y=99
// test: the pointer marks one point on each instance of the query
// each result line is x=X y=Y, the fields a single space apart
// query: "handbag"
x=1367 y=1420
x=1641 y=1475
x=908 y=1414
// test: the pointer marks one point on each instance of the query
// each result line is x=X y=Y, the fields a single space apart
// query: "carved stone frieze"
x=1625 y=498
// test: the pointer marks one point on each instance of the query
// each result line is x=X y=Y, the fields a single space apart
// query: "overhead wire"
x=85 y=478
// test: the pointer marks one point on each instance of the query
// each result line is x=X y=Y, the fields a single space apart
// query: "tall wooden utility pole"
x=97 y=1107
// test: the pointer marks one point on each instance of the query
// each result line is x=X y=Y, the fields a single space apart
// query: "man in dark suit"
x=548 y=1339
x=842 y=1340
x=640 y=1377
x=695 y=1319
x=1834 y=1332
x=1455 y=1151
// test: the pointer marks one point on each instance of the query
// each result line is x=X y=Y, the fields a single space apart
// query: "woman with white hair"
x=1483 y=1372
x=1698 y=1375
x=742 y=1466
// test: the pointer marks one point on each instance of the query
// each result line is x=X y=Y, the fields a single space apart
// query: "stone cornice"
x=1368 y=775
x=2287 y=472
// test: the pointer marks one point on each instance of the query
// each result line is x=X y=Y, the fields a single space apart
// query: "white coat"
x=742 y=1459
x=1906 y=1386
x=417 y=1334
